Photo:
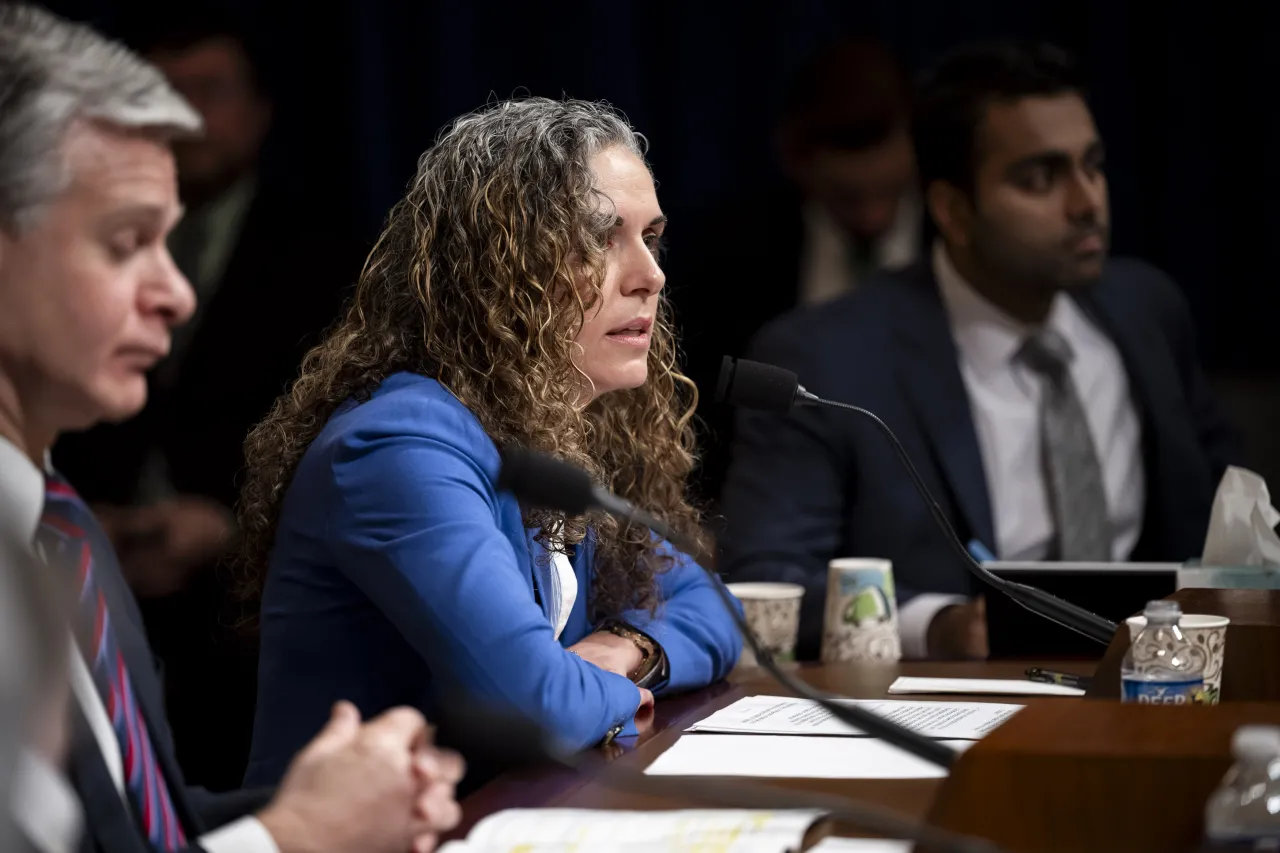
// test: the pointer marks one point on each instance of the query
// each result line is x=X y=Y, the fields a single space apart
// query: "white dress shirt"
x=45 y=807
x=21 y=505
x=826 y=261
x=1004 y=401
x=567 y=584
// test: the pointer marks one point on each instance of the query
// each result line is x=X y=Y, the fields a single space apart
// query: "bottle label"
x=1144 y=692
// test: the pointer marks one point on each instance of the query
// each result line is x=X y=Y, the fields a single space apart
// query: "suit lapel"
x=1154 y=386
x=109 y=826
x=583 y=558
x=545 y=586
x=930 y=377
x=1152 y=369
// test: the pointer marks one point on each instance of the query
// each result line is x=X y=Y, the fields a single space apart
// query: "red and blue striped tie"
x=68 y=534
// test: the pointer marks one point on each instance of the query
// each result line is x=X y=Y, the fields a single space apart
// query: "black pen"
x=1066 y=679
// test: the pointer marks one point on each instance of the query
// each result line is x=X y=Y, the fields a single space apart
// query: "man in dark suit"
x=1050 y=397
x=88 y=297
x=849 y=208
x=269 y=271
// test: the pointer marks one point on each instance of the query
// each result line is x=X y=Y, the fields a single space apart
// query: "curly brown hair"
x=478 y=282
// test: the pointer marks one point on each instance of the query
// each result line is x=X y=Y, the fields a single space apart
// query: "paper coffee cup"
x=861 y=621
x=1206 y=632
x=773 y=612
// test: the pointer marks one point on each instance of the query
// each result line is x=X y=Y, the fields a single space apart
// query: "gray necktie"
x=1070 y=460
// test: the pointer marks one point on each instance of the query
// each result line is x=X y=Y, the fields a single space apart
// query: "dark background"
x=1184 y=93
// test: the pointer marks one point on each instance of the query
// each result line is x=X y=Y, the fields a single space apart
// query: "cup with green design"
x=861 y=612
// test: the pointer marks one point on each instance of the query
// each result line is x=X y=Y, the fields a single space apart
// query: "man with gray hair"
x=88 y=299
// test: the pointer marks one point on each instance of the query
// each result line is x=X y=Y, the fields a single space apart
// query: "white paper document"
x=978 y=686
x=860 y=845
x=592 y=831
x=781 y=715
x=793 y=757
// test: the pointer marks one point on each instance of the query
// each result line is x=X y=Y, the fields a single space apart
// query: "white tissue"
x=1242 y=524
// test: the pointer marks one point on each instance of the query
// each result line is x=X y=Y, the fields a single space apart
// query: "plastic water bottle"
x=1162 y=667
x=1244 y=813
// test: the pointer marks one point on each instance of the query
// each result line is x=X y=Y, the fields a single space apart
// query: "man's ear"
x=952 y=212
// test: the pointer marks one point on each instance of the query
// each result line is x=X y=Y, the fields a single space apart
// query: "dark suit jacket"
x=109 y=825
x=282 y=286
x=822 y=484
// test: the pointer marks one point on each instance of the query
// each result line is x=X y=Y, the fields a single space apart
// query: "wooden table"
x=910 y=797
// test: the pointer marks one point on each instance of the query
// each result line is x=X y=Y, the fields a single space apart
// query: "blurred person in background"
x=1050 y=396
x=850 y=208
x=269 y=270
x=88 y=296
x=515 y=296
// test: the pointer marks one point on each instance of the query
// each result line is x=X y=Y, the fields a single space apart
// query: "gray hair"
x=54 y=72
x=540 y=139
x=565 y=124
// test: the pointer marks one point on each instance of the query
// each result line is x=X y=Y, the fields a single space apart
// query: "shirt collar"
x=988 y=338
x=21 y=493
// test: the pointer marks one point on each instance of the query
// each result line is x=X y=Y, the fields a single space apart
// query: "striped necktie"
x=70 y=537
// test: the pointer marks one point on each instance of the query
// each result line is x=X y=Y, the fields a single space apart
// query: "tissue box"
x=1193 y=575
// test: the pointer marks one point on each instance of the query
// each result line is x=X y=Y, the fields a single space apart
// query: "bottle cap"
x=1163 y=611
x=1256 y=742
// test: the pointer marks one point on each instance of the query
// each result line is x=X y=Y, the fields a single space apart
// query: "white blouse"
x=565 y=591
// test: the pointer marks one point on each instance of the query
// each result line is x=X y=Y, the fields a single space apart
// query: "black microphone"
x=542 y=480
x=545 y=481
x=766 y=387
x=511 y=739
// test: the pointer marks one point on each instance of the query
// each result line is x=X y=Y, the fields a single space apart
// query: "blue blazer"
x=819 y=483
x=400 y=573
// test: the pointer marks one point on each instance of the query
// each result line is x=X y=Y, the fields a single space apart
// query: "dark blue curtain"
x=1183 y=93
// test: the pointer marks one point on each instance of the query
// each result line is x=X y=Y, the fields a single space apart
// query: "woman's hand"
x=609 y=652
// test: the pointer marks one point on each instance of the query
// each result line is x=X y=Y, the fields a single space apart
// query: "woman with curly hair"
x=515 y=295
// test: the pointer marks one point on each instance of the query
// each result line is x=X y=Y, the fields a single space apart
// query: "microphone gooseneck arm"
x=1064 y=613
x=873 y=724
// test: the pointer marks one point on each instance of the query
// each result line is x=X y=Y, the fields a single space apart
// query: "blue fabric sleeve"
x=416 y=528
x=691 y=624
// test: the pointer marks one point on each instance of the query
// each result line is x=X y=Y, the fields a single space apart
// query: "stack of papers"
x=980 y=686
x=778 y=737
x=794 y=757
x=860 y=845
x=780 y=715
x=590 y=831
